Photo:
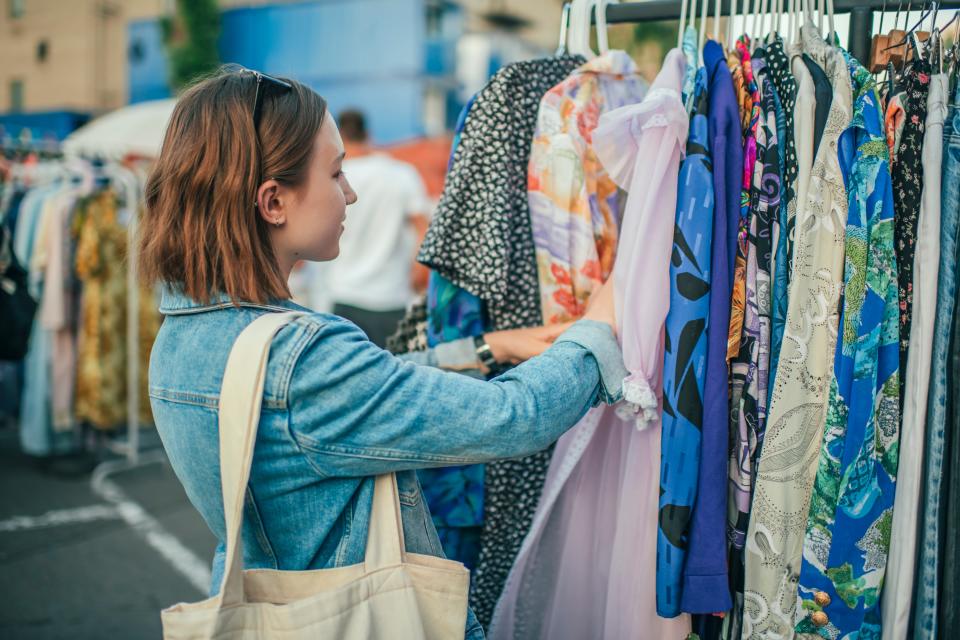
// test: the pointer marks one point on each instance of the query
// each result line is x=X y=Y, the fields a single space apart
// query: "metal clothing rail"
x=861 y=16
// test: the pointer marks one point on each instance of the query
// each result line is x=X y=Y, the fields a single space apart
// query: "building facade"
x=409 y=64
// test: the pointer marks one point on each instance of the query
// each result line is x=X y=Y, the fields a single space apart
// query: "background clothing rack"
x=861 y=16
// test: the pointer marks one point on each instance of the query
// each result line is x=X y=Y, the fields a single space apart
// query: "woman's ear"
x=269 y=203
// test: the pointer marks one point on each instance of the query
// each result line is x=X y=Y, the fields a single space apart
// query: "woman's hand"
x=514 y=346
x=601 y=305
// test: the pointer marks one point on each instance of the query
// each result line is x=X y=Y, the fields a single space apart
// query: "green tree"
x=191 y=40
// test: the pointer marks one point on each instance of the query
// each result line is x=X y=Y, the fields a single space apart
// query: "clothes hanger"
x=702 y=37
x=564 y=25
x=752 y=33
x=912 y=35
x=791 y=15
x=762 y=28
x=716 y=23
x=778 y=22
x=574 y=36
x=830 y=23
x=683 y=21
x=734 y=10
x=602 y=33
x=578 y=41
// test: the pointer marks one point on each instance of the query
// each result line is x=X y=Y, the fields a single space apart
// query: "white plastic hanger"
x=574 y=38
x=833 y=29
x=564 y=25
x=730 y=21
x=683 y=22
x=791 y=21
x=803 y=14
x=716 y=23
x=765 y=12
x=703 y=31
x=579 y=32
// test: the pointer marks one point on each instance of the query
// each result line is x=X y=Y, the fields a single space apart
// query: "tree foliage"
x=191 y=40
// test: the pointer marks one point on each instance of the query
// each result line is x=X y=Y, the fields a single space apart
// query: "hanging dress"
x=587 y=567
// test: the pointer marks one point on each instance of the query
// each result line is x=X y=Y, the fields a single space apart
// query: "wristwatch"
x=484 y=354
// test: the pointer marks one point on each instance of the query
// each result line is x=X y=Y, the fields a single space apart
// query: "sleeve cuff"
x=598 y=339
x=706 y=594
x=457 y=355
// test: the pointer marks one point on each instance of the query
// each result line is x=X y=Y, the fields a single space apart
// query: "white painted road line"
x=60 y=517
x=182 y=559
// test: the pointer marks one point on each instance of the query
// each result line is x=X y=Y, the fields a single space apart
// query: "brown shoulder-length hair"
x=201 y=231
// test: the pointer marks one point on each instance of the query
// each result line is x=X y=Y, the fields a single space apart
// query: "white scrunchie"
x=639 y=402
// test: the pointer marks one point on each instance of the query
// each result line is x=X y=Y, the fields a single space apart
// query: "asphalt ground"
x=91 y=556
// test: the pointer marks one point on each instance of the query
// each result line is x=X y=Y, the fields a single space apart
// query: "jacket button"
x=821 y=598
x=820 y=619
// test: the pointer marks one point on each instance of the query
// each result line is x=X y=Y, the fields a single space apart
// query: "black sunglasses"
x=264 y=81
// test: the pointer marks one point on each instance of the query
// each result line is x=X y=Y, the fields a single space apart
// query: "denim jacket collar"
x=174 y=302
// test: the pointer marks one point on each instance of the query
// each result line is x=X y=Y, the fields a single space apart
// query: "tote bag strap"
x=239 y=414
x=385 y=545
x=240 y=398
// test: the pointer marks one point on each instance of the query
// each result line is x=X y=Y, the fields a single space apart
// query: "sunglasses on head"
x=263 y=82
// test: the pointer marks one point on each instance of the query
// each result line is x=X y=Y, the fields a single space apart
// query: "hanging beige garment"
x=791 y=445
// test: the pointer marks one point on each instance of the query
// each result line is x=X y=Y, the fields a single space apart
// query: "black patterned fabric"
x=411 y=333
x=907 y=174
x=786 y=86
x=481 y=240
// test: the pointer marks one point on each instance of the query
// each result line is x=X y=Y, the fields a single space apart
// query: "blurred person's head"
x=231 y=207
x=353 y=126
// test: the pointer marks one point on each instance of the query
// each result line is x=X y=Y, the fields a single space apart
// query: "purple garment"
x=705 y=584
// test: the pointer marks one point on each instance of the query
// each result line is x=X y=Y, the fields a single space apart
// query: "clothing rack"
x=861 y=13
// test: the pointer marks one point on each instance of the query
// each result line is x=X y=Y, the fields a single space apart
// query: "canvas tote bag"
x=392 y=594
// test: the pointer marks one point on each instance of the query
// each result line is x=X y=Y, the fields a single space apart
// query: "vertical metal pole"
x=861 y=33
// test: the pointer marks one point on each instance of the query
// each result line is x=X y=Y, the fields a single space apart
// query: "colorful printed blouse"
x=752 y=101
x=574 y=205
x=750 y=369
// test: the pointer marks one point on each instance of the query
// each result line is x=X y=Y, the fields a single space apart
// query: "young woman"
x=249 y=182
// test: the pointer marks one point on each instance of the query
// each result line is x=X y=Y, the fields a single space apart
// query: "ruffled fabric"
x=639 y=402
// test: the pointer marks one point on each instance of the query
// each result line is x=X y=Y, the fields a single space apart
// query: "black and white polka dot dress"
x=481 y=240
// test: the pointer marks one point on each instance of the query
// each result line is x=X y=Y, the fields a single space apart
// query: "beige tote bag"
x=392 y=594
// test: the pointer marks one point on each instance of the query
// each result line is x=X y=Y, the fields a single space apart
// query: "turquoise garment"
x=847 y=537
x=454 y=494
x=685 y=355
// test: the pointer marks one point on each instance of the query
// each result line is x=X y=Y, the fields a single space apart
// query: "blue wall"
x=369 y=54
x=147 y=70
x=43 y=125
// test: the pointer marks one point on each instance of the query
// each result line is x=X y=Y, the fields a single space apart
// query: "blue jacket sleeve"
x=356 y=410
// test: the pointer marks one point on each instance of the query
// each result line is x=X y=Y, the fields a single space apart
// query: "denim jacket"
x=337 y=410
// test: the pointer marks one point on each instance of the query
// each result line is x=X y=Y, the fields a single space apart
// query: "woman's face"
x=312 y=214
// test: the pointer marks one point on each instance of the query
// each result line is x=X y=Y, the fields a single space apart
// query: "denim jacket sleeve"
x=356 y=410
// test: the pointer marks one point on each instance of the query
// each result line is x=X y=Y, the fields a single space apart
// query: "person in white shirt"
x=376 y=275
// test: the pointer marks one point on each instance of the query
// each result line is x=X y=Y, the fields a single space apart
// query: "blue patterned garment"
x=684 y=368
x=848 y=529
x=454 y=494
x=452 y=313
